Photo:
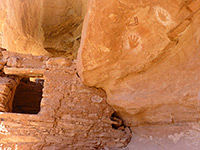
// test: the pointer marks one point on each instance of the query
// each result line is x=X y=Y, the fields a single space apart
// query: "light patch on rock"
x=8 y=148
x=97 y=99
x=104 y=49
x=113 y=17
x=176 y=137
x=3 y=129
x=197 y=34
x=151 y=138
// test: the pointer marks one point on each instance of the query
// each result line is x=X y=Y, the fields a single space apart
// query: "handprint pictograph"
x=163 y=16
x=133 y=41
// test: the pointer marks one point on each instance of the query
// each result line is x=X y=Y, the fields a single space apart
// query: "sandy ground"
x=166 y=137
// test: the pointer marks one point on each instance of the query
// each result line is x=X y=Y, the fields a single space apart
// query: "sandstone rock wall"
x=42 y=27
x=22 y=30
x=72 y=115
x=145 y=55
x=62 y=25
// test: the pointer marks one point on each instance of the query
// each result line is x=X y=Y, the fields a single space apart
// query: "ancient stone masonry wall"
x=7 y=89
x=73 y=116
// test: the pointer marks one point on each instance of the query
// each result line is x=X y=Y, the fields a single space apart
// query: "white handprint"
x=163 y=16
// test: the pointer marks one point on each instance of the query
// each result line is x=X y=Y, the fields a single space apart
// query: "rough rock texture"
x=62 y=25
x=145 y=55
x=72 y=115
x=22 y=30
x=42 y=27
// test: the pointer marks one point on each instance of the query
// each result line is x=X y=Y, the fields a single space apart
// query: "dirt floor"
x=166 y=137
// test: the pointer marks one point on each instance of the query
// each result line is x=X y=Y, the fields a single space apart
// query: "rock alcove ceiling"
x=42 y=27
x=143 y=54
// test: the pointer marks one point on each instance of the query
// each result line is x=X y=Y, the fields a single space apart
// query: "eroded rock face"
x=22 y=30
x=62 y=25
x=42 y=27
x=145 y=55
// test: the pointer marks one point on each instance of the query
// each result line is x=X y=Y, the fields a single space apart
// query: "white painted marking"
x=163 y=16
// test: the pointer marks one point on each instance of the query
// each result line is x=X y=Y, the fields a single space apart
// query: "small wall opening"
x=118 y=123
x=28 y=96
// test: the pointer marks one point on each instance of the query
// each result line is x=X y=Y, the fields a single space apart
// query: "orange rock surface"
x=145 y=55
x=42 y=27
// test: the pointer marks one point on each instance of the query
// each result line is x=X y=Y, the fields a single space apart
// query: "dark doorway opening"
x=28 y=96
